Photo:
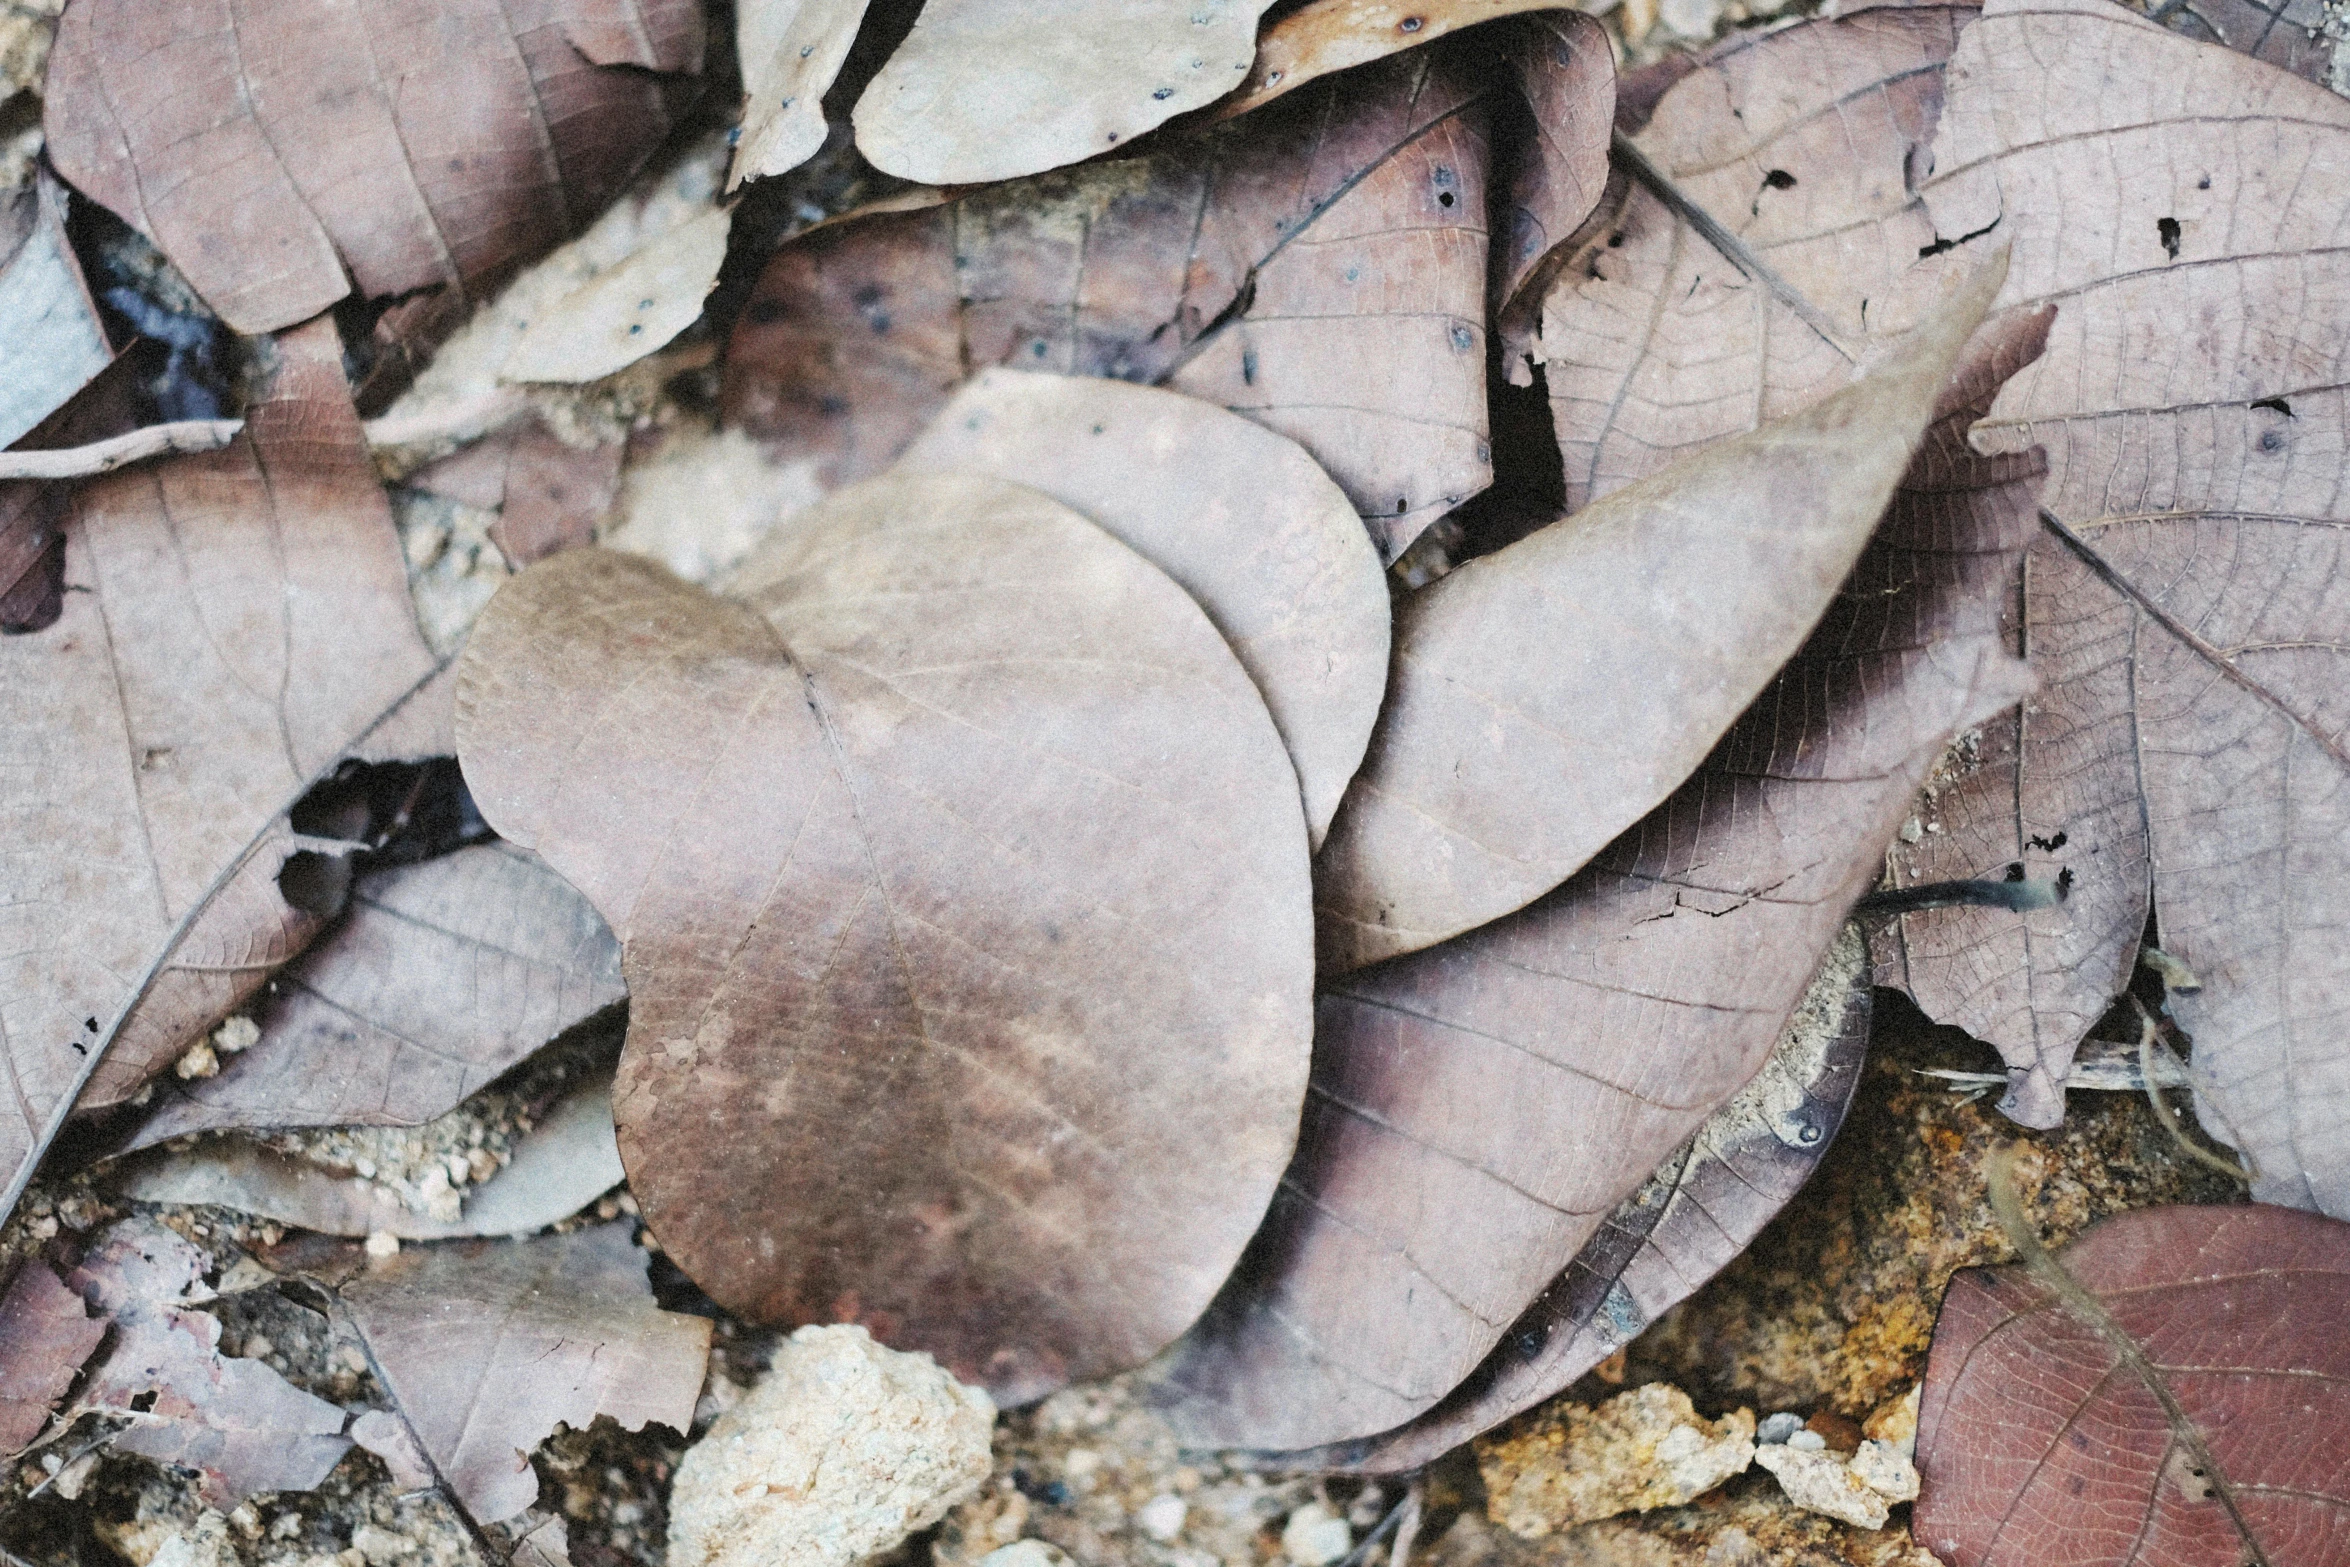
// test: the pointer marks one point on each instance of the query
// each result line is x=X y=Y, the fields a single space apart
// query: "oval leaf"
x=1238 y=515
x=957 y=866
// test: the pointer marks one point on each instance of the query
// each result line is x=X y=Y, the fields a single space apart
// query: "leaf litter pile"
x=1213 y=722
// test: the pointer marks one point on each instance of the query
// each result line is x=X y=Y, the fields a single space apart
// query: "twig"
x=116 y=451
x=2169 y=1117
x=1402 y=1521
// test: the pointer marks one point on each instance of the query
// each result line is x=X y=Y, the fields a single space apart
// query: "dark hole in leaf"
x=402 y=812
x=1779 y=179
x=1941 y=246
x=1444 y=198
x=2046 y=845
x=2167 y=229
x=143 y=1402
x=1615 y=241
x=2276 y=404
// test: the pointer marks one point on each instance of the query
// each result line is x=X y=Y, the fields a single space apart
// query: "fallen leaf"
x=982 y=91
x=439 y=977
x=1684 y=1224
x=1281 y=266
x=1567 y=75
x=45 y=1336
x=442 y=146
x=243 y=1428
x=791 y=50
x=549 y=494
x=2054 y=1435
x=1323 y=36
x=56 y=341
x=618 y=316
x=2289 y=34
x=33 y=512
x=486 y=1346
x=1494 y=776
x=917 y=896
x=1477 y=1110
x=564 y=1163
x=237 y=625
x=1240 y=517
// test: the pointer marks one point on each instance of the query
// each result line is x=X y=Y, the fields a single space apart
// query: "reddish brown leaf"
x=32 y=513
x=1239 y=516
x=283 y=155
x=549 y=494
x=935 y=943
x=2050 y=1437
x=1282 y=265
x=1478 y=1109
x=235 y=624
x=1493 y=775
x=236 y=1422
x=485 y=1346
x=45 y=1335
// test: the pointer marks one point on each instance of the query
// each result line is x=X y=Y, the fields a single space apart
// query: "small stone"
x=383 y=1243
x=236 y=1034
x=1026 y=1553
x=1691 y=18
x=1886 y=1470
x=1315 y=1536
x=1895 y=1421
x=200 y=1061
x=839 y=1452
x=1807 y=1441
x=1819 y=1482
x=1777 y=1428
x=378 y=1545
x=1640 y=1450
x=1162 y=1517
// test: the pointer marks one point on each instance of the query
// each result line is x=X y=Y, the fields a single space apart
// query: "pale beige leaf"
x=790 y=52
x=51 y=340
x=617 y=317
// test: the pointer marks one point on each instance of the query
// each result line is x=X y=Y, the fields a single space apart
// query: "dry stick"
x=2090 y=1312
x=2169 y=1117
x=117 y=451
x=1402 y=1521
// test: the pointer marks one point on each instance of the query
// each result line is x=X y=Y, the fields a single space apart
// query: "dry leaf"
x=984 y=91
x=1493 y=775
x=45 y=1335
x=56 y=342
x=1323 y=36
x=617 y=317
x=565 y=1162
x=2290 y=34
x=243 y=1428
x=32 y=513
x=549 y=494
x=1238 y=516
x=790 y=50
x=441 y=145
x=2189 y=1408
x=936 y=937
x=1282 y=266
x=236 y=625
x=1683 y=1225
x=439 y=977
x=1478 y=1109
x=485 y=1346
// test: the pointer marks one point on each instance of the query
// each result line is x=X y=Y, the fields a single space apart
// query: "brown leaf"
x=1281 y=266
x=439 y=977
x=1238 y=516
x=1478 y=1109
x=1493 y=775
x=2289 y=34
x=486 y=1346
x=45 y=1335
x=283 y=155
x=549 y=494
x=918 y=897
x=32 y=513
x=982 y=91
x=56 y=342
x=564 y=1163
x=236 y=624
x=2051 y=1437
x=236 y=1422
x=1683 y=1225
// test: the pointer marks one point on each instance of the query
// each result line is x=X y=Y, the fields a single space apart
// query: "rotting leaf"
x=441 y=146
x=55 y=339
x=1281 y=265
x=984 y=91
x=1239 y=516
x=935 y=938
x=1494 y=776
x=565 y=1162
x=235 y=624
x=1686 y=1223
x=486 y=1346
x=45 y=1335
x=242 y=1427
x=1478 y=1109
x=440 y=976
x=2174 y=1388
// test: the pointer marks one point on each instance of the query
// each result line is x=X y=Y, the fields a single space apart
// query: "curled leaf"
x=790 y=51
x=935 y=938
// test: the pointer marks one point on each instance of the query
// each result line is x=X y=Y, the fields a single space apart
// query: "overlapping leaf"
x=45 y=1335
x=1240 y=517
x=55 y=340
x=2179 y=1398
x=1479 y=1108
x=1283 y=265
x=957 y=864
x=790 y=52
